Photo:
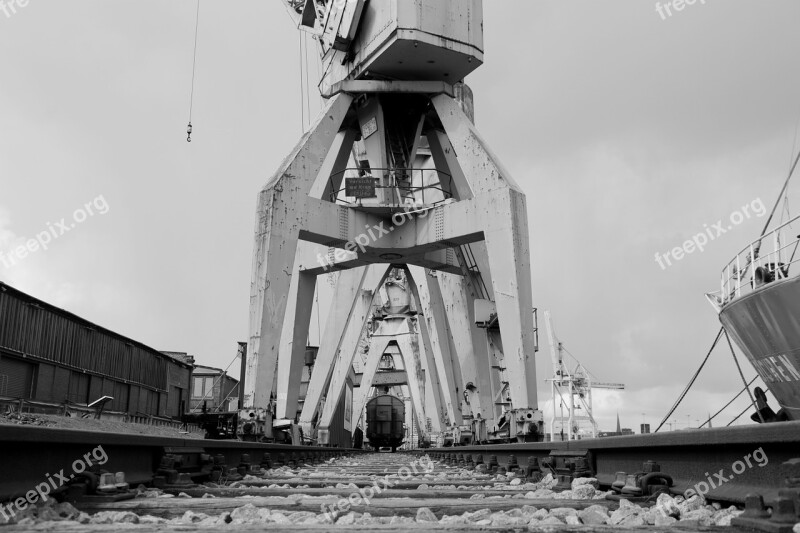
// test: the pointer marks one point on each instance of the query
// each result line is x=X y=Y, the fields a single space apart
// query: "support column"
x=409 y=349
x=355 y=331
x=470 y=346
x=348 y=305
x=509 y=259
x=506 y=237
x=377 y=345
x=294 y=336
x=280 y=216
x=447 y=364
x=434 y=359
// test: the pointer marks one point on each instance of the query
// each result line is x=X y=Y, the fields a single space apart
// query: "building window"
x=202 y=387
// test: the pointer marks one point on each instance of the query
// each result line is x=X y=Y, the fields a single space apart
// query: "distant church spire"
x=619 y=428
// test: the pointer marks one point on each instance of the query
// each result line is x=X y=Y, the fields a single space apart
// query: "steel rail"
x=32 y=455
x=690 y=457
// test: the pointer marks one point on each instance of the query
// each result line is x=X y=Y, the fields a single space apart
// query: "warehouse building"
x=48 y=355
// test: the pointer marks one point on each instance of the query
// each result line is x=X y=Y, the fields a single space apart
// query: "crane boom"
x=615 y=386
x=551 y=338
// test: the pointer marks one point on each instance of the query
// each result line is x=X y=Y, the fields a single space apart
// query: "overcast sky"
x=628 y=132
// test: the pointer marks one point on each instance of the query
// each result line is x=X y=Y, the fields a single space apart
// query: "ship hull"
x=765 y=325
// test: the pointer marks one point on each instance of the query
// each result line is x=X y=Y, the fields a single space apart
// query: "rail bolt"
x=784 y=511
x=790 y=472
x=108 y=483
x=493 y=464
x=754 y=507
x=167 y=462
x=532 y=468
x=651 y=466
x=632 y=485
x=619 y=481
x=266 y=461
x=183 y=479
x=119 y=481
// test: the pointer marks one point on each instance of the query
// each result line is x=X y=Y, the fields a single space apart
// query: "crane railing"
x=433 y=186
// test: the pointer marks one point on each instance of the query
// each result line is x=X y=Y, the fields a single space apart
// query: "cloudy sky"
x=629 y=133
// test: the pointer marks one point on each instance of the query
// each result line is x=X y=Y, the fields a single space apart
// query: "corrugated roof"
x=16 y=293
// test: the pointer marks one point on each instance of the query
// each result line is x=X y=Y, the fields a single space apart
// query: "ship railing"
x=768 y=258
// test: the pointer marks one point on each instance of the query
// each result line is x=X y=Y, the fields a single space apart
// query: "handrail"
x=394 y=174
x=759 y=268
x=782 y=226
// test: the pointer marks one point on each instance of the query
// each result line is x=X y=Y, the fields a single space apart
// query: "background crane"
x=573 y=389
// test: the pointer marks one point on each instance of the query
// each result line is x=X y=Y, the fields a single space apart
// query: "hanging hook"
x=189 y=133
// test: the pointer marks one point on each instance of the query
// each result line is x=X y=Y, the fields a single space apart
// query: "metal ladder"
x=398 y=153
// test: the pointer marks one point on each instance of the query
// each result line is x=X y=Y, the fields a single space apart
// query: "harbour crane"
x=357 y=187
x=576 y=385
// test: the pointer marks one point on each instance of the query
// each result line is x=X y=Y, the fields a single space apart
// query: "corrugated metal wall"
x=16 y=378
x=86 y=361
x=36 y=331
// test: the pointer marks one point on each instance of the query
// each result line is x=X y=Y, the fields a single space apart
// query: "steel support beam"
x=280 y=216
x=470 y=346
x=390 y=378
x=291 y=355
x=402 y=332
x=507 y=245
x=447 y=364
x=349 y=304
x=356 y=328
x=434 y=384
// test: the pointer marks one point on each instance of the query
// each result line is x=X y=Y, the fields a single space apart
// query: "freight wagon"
x=385 y=418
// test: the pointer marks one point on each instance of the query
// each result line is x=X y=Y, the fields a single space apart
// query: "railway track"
x=213 y=485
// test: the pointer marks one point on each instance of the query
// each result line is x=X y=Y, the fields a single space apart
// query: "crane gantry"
x=394 y=174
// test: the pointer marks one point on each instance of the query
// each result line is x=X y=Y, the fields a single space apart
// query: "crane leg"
x=470 y=346
x=409 y=349
x=436 y=340
x=280 y=216
x=349 y=345
x=291 y=355
x=345 y=307
x=506 y=238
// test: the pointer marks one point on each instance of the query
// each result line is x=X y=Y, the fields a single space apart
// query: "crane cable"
x=308 y=79
x=194 y=70
x=302 y=90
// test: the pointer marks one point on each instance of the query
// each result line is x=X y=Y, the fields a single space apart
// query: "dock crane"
x=353 y=191
x=575 y=385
